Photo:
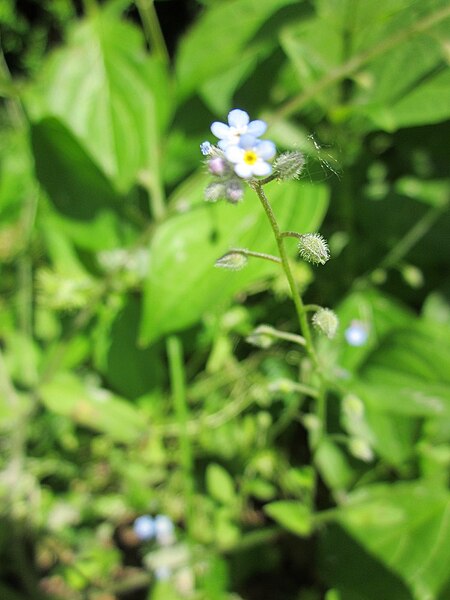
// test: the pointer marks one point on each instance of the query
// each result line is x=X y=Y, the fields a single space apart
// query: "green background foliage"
x=127 y=386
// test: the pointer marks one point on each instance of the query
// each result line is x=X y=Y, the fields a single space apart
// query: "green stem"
x=178 y=384
x=262 y=255
x=281 y=335
x=410 y=239
x=298 y=302
x=355 y=63
x=152 y=29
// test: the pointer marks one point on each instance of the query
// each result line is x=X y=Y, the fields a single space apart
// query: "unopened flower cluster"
x=239 y=155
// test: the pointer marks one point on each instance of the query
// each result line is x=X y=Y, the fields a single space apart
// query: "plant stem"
x=262 y=255
x=414 y=235
x=178 y=385
x=298 y=302
x=152 y=29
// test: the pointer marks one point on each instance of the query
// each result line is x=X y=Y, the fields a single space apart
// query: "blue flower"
x=164 y=530
x=239 y=124
x=250 y=156
x=145 y=528
x=357 y=334
x=205 y=148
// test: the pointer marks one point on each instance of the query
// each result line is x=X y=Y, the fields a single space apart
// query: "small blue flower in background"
x=238 y=124
x=250 y=156
x=162 y=573
x=159 y=528
x=357 y=334
x=164 y=530
x=144 y=528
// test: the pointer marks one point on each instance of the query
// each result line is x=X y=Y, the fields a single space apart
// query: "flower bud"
x=260 y=337
x=234 y=261
x=215 y=191
x=205 y=148
x=313 y=248
x=289 y=165
x=359 y=448
x=234 y=192
x=217 y=166
x=326 y=321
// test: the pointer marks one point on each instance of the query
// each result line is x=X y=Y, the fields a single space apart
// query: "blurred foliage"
x=107 y=248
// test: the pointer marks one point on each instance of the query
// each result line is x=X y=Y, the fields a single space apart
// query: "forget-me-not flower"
x=239 y=124
x=250 y=156
x=144 y=528
x=357 y=334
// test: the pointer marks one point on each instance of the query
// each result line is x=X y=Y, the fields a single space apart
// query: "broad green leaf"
x=427 y=103
x=292 y=515
x=94 y=408
x=111 y=95
x=333 y=465
x=87 y=205
x=373 y=310
x=313 y=48
x=407 y=527
x=182 y=283
x=220 y=484
x=136 y=371
x=218 y=38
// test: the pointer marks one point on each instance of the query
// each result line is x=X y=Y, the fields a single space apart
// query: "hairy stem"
x=298 y=302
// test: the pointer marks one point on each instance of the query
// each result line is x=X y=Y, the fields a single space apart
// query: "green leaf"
x=111 y=95
x=86 y=203
x=407 y=527
x=94 y=408
x=333 y=465
x=220 y=484
x=218 y=38
x=182 y=283
x=425 y=104
x=292 y=515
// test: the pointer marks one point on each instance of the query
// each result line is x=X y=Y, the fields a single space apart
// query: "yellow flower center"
x=250 y=157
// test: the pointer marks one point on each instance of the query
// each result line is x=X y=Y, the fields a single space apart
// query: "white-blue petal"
x=220 y=130
x=238 y=118
x=243 y=170
x=248 y=141
x=262 y=168
x=234 y=153
x=257 y=128
x=266 y=149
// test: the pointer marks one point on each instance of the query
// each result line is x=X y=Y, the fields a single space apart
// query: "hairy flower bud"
x=260 y=337
x=326 y=321
x=234 y=192
x=313 y=248
x=217 y=166
x=215 y=191
x=361 y=449
x=234 y=261
x=289 y=165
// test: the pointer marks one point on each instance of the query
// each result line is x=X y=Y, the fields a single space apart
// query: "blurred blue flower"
x=145 y=528
x=357 y=333
x=238 y=124
x=162 y=573
x=164 y=530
